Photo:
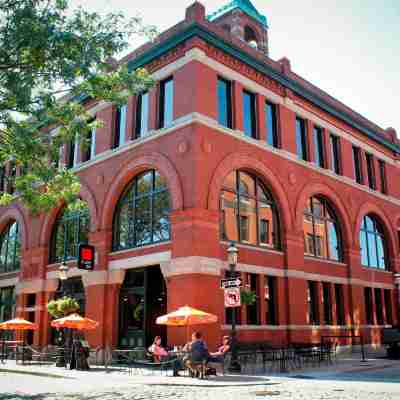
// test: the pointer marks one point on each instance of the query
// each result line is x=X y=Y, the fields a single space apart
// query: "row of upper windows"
x=249 y=214
x=225 y=118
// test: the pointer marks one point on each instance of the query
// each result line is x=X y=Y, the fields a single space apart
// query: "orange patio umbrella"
x=18 y=324
x=186 y=316
x=75 y=321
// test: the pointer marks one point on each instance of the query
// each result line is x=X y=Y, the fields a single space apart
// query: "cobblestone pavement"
x=380 y=380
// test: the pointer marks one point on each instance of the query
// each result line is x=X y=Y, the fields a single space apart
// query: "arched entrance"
x=142 y=299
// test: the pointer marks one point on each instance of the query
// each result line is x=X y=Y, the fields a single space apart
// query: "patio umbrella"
x=19 y=324
x=186 y=316
x=75 y=321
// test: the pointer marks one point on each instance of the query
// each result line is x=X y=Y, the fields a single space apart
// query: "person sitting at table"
x=156 y=350
x=198 y=351
x=219 y=355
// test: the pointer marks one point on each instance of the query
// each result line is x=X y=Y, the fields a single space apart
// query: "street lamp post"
x=63 y=276
x=234 y=365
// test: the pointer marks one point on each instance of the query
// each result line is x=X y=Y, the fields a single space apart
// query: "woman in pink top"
x=156 y=350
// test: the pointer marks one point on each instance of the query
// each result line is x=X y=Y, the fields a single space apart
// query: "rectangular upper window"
x=340 y=317
x=301 y=139
x=336 y=154
x=142 y=115
x=71 y=154
x=370 y=170
x=166 y=103
x=90 y=151
x=319 y=147
x=249 y=114
x=224 y=103
x=382 y=173
x=271 y=124
x=120 y=126
x=357 y=165
x=369 y=312
x=313 y=304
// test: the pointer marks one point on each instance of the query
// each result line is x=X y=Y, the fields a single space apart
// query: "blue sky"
x=349 y=48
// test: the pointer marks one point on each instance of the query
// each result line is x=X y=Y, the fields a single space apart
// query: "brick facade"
x=195 y=155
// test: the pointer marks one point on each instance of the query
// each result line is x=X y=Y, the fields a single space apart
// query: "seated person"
x=219 y=355
x=197 y=349
x=156 y=350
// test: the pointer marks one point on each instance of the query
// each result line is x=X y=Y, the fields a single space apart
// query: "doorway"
x=142 y=299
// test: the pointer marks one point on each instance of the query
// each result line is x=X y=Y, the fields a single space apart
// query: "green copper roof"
x=245 y=5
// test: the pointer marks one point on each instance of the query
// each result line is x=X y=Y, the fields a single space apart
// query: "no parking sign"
x=232 y=297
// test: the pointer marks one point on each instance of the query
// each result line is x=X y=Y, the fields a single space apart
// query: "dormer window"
x=250 y=37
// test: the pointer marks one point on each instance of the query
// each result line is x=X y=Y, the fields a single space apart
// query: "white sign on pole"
x=232 y=297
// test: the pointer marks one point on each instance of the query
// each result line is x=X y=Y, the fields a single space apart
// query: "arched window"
x=250 y=37
x=321 y=230
x=10 y=248
x=142 y=214
x=248 y=211
x=372 y=243
x=71 y=229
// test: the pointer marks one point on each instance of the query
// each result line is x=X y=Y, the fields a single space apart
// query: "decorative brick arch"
x=134 y=167
x=245 y=162
x=15 y=213
x=50 y=219
x=390 y=237
x=323 y=190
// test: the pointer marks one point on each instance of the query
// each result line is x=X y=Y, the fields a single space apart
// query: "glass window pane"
x=144 y=115
x=72 y=239
x=249 y=114
x=143 y=232
x=369 y=224
x=333 y=241
x=301 y=141
x=248 y=218
x=160 y=181
x=381 y=253
x=168 y=105
x=266 y=224
x=60 y=240
x=123 y=224
x=364 y=248
x=321 y=238
x=246 y=185
x=270 y=114
x=144 y=184
x=161 y=226
x=230 y=181
x=224 y=103
x=122 y=124
x=373 y=256
x=229 y=212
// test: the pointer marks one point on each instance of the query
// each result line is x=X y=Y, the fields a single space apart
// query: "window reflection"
x=321 y=231
x=142 y=215
x=10 y=248
x=248 y=212
x=372 y=243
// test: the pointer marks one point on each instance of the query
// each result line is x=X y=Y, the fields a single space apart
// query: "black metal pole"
x=60 y=362
x=234 y=365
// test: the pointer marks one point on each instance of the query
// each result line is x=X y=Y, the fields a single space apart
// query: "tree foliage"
x=52 y=60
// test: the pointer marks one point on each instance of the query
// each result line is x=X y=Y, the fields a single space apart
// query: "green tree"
x=62 y=307
x=53 y=60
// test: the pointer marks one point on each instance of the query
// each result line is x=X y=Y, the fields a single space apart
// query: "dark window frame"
x=311 y=216
x=272 y=134
x=319 y=145
x=11 y=234
x=370 y=171
x=268 y=200
x=253 y=114
x=327 y=299
x=369 y=309
x=133 y=198
x=382 y=173
x=379 y=306
x=162 y=104
x=357 y=163
x=340 y=309
x=301 y=139
x=336 y=154
x=228 y=102
x=313 y=303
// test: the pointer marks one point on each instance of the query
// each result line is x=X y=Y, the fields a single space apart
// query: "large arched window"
x=10 y=248
x=248 y=211
x=321 y=230
x=142 y=214
x=71 y=229
x=372 y=243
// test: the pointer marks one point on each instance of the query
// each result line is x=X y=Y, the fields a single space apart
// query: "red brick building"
x=230 y=145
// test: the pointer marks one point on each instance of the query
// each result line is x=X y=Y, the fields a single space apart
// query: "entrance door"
x=142 y=300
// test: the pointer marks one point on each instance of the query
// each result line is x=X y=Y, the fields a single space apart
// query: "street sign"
x=232 y=297
x=231 y=283
x=86 y=257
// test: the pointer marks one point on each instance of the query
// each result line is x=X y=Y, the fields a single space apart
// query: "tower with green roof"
x=242 y=19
